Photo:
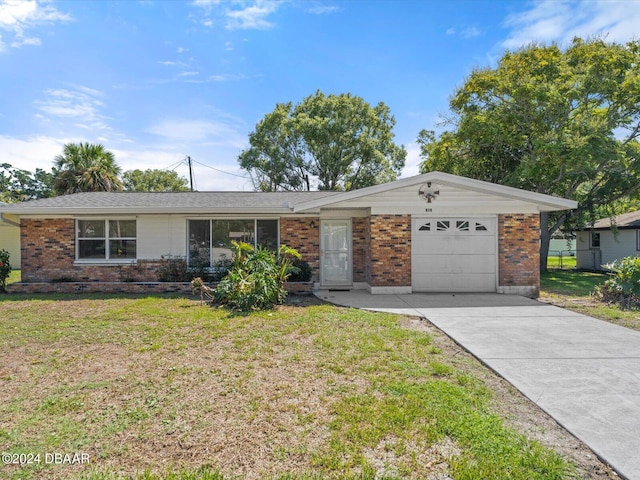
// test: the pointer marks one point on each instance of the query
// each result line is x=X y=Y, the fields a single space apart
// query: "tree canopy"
x=559 y=122
x=153 y=180
x=339 y=142
x=86 y=167
x=17 y=185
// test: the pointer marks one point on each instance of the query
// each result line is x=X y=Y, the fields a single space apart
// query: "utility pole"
x=190 y=171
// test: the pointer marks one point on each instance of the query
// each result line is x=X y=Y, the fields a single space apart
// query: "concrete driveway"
x=583 y=372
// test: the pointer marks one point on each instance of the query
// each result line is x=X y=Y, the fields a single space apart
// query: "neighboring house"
x=429 y=233
x=10 y=240
x=608 y=240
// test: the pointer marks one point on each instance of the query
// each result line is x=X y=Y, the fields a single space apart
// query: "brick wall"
x=299 y=234
x=360 y=235
x=48 y=255
x=519 y=253
x=390 y=250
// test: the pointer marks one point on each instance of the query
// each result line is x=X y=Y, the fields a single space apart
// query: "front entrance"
x=335 y=253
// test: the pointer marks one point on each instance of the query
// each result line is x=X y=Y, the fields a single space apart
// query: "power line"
x=218 y=170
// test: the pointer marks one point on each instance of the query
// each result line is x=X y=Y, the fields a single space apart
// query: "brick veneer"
x=360 y=235
x=299 y=234
x=48 y=255
x=390 y=251
x=519 y=254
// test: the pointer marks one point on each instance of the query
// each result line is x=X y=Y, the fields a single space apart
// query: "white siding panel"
x=612 y=248
x=450 y=201
x=10 y=241
x=160 y=235
x=616 y=247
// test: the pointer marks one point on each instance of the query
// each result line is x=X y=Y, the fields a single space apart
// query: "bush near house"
x=5 y=269
x=623 y=287
x=255 y=280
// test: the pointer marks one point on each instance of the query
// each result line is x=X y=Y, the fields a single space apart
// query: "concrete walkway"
x=583 y=372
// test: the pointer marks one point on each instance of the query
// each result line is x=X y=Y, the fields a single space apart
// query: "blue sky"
x=157 y=80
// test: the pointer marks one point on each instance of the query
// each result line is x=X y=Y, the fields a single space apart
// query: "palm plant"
x=86 y=167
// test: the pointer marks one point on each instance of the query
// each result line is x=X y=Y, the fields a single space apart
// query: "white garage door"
x=453 y=255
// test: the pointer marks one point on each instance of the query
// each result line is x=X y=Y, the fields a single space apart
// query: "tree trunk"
x=545 y=239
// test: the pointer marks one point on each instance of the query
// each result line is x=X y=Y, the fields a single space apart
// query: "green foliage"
x=153 y=180
x=340 y=140
x=623 y=287
x=557 y=122
x=17 y=185
x=303 y=273
x=5 y=269
x=85 y=167
x=256 y=278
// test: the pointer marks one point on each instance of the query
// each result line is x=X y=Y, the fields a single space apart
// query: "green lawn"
x=14 y=277
x=565 y=262
x=169 y=388
x=572 y=289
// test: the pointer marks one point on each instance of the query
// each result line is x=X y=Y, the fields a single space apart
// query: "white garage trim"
x=454 y=254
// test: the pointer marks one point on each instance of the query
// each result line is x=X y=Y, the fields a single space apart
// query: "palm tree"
x=86 y=167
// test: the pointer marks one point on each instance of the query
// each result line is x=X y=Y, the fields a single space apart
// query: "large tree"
x=153 y=180
x=17 y=185
x=86 y=167
x=339 y=142
x=559 y=122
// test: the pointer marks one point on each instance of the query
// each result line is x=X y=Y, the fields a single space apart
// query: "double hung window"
x=101 y=239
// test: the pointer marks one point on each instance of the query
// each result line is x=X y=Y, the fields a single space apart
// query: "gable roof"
x=544 y=202
x=624 y=221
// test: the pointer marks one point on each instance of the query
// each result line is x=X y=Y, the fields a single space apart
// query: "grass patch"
x=169 y=388
x=14 y=277
x=565 y=262
x=571 y=282
x=572 y=289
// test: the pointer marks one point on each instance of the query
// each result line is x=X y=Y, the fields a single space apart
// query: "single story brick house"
x=603 y=243
x=434 y=232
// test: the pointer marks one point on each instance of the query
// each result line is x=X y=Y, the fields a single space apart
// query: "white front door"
x=335 y=253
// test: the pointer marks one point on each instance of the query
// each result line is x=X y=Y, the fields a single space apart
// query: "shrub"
x=304 y=273
x=256 y=278
x=172 y=269
x=623 y=287
x=5 y=269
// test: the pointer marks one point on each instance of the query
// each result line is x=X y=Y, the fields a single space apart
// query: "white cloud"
x=470 y=32
x=32 y=152
x=19 y=16
x=412 y=163
x=187 y=132
x=252 y=17
x=560 y=20
x=323 y=9
x=81 y=104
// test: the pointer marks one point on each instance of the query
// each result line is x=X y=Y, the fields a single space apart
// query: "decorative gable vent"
x=428 y=192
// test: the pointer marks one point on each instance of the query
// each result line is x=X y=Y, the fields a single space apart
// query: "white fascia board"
x=544 y=202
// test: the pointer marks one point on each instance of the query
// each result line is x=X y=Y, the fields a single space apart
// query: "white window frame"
x=592 y=237
x=107 y=254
